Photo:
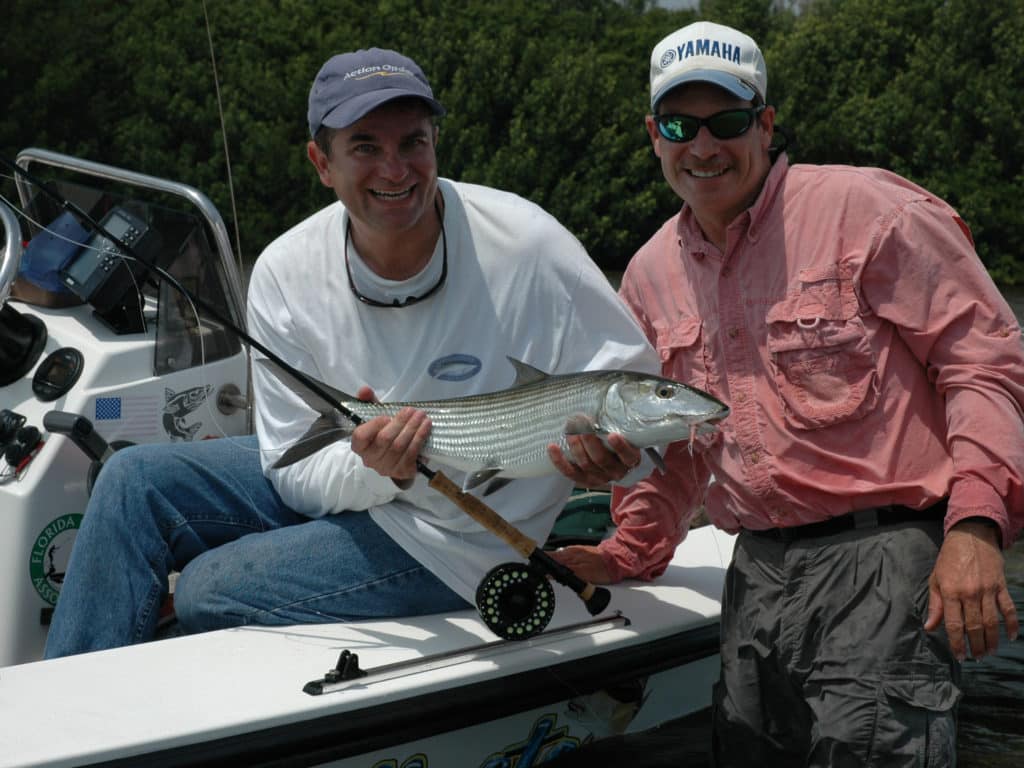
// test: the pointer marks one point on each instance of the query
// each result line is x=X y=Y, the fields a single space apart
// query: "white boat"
x=84 y=375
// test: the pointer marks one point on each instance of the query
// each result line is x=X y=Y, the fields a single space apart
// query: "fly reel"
x=515 y=600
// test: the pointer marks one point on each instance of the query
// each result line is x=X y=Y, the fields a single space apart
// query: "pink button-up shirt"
x=866 y=355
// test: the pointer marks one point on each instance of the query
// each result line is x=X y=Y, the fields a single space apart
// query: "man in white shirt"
x=409 y=287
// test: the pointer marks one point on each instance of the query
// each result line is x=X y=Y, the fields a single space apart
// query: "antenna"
x=224 y=137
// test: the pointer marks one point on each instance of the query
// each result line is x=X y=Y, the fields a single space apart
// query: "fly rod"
x=514 y=601
x=520 y=600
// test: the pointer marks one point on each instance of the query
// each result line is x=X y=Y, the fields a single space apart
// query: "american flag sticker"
x=108 y=408
x=128 y=417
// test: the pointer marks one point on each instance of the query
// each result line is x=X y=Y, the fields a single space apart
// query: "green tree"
x=922 y=88
x=546 y=98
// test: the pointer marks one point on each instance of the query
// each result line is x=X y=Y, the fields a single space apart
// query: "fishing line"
x=138 y=289
x=126 y=255
x=58 y=236
x=704 y=501
x=238 y=238
x=595 y=598
x=224 y=136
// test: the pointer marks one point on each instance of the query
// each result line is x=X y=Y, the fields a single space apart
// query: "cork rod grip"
x=595 y=598
x=484 y=515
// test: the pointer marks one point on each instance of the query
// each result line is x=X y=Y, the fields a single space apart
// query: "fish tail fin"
x=300 y=388
x=325 y=430
x=331 y=426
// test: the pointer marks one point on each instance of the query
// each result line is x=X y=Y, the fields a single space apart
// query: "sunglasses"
x=401 y=303
x=727 y=124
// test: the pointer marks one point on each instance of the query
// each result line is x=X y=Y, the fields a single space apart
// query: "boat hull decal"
x=329 y=740
x=48 y=559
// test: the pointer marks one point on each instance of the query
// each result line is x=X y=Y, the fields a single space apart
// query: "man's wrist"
x=986 y=521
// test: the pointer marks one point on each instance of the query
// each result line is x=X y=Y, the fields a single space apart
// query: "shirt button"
x=726 y=271
x=734 y=333
x=740 y=398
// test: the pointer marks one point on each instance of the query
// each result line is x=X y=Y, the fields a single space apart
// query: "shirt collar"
x=689 y=231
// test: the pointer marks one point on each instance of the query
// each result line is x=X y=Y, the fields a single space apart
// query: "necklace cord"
x=410 y=300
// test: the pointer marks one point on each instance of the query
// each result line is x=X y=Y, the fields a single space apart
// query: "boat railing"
x=201 y=202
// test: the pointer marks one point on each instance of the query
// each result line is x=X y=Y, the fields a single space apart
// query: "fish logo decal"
x=180 y=405
x=455 y=367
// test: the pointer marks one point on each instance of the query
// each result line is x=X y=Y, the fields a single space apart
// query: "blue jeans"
x=205 y=509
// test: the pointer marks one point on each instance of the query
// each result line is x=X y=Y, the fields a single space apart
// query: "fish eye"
x=666 y=392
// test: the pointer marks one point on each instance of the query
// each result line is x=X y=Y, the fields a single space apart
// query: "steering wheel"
x=11 y=252
x=22 y=337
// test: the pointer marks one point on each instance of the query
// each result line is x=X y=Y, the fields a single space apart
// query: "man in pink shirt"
x=873 y=462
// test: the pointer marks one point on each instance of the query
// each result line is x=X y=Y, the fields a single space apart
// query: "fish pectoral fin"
x=526 y=373
x=656 y=458
x=325 y=430
x=496 y=485
x=580 y=424
x=481 y=476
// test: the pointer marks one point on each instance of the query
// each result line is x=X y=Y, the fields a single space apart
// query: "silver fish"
x=505 y=434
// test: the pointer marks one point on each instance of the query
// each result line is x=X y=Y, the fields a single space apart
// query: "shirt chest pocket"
x=825 y=370
x=681 y=348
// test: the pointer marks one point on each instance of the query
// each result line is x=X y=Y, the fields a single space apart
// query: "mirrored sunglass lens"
x=727 y=125
x=677 y=127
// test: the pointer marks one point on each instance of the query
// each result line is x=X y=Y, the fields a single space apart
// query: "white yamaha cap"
x=710 y=53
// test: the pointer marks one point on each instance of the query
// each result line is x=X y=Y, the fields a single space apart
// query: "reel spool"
x=515 y=600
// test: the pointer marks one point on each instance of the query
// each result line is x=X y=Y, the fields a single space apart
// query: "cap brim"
x=344 y=115
x=731 y=83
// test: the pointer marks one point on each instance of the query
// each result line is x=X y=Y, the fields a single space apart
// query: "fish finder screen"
x=118 y=226
x=83 y=267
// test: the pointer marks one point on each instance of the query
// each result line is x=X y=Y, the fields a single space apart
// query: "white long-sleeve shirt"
x=519 y=285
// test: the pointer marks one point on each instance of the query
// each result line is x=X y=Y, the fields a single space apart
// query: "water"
x=991 y=724
x=991 y=733
x=991 y=730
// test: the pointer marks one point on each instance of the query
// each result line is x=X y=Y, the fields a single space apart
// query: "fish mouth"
x=715 y=422
x=687 y=420
x=710 y=421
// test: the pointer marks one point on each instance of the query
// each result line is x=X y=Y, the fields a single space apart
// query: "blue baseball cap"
x=350 y=85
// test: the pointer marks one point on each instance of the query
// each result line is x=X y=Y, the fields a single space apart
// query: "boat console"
x=96 y=353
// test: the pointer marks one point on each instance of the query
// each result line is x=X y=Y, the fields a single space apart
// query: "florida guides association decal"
x=49 y=558
x=545 y=742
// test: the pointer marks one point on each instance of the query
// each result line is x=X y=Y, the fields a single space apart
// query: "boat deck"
x=214 y=693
